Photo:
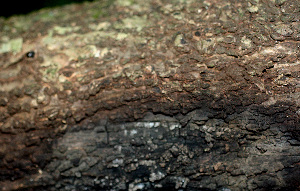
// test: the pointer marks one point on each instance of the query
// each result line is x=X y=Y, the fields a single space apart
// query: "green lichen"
x=246 y=43
x=101 y=9
x=80 y=53
x=178 y=40
x=63 y=30
x=46 y=16
x=253 y=9
x=133 y=71
x=100 y=26
x=135 y=22
x=14 y=45
x=50 y=71
x=125 y=3
x=205 y=45
x=178 y=15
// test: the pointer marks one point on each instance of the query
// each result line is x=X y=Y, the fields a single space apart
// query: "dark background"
x=11 y=7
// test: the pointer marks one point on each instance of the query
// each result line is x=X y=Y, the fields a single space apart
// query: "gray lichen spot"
x=133 y=71
x=179 y=40
x=156 y=176
x=253 y=9
x=205 y=45
x=253 y=6
x=246 y=43
x=283 y=29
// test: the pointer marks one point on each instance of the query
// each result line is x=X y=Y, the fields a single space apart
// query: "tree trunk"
x=133 y=95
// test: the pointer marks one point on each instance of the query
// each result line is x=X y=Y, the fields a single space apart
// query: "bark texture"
x=155 y=95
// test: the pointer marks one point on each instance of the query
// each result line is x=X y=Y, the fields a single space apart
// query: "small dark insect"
x=30 y=54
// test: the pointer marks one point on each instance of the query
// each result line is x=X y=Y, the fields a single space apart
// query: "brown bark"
x=151 y=95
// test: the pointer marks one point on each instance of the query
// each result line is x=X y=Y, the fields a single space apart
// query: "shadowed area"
x=18 y=7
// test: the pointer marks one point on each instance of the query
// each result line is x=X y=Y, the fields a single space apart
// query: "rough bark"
x=156 y=95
